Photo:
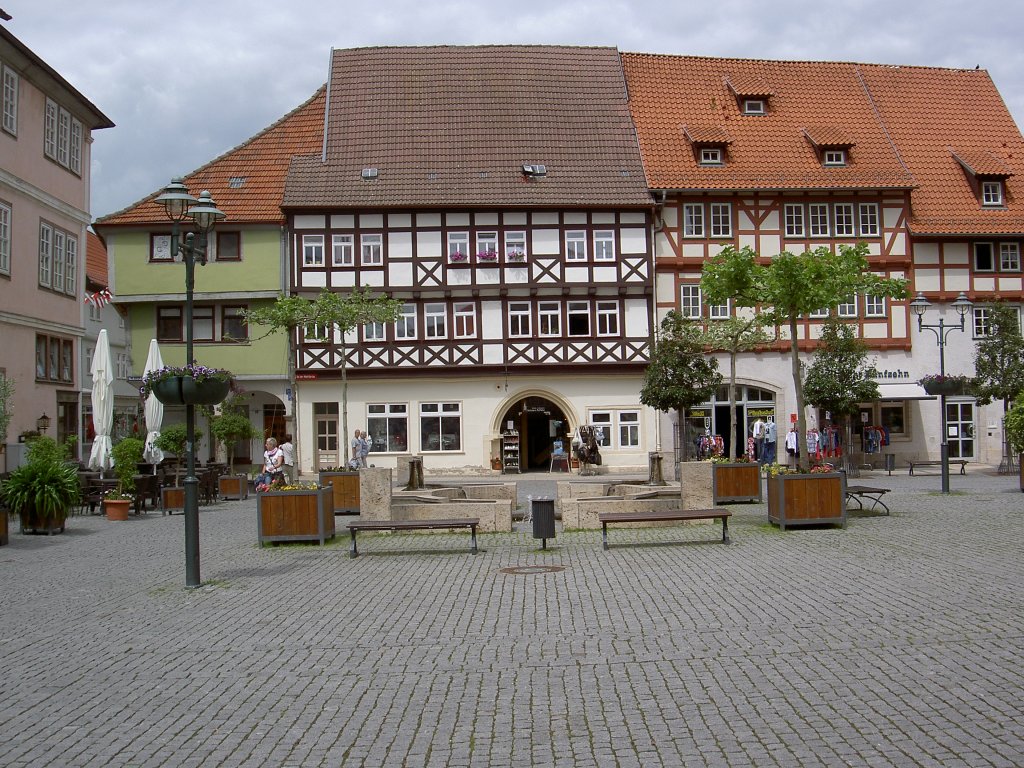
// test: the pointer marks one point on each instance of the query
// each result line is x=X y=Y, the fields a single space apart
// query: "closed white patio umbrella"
x=102 y=404
x=154 y=410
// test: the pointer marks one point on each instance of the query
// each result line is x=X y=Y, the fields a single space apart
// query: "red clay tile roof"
x=95 y=260
x=927 y=111
x=747 y=85
x=767 y=151
x=706 y=134
x=982 y=163
x=829 y=136
x=247 y=181
x=453 y=126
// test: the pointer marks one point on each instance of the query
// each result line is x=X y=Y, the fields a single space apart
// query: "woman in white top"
x=273 y=461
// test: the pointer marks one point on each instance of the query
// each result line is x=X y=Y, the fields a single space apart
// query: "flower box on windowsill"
x=458 y=259
x=515 y=257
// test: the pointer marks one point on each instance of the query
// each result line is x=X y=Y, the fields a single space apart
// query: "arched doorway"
x=540 y=422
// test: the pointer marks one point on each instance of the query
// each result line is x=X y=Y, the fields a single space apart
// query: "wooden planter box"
x=33 y=523
x=345 y=487
x=736 y=481
x=233 y=487
x=810 y=499
x=295 y=515
x=172 y=500
x=5 y=532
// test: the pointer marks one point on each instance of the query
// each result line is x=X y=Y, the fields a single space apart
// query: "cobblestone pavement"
x=898 y=641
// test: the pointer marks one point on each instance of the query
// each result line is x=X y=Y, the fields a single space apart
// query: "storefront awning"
x=904 y=390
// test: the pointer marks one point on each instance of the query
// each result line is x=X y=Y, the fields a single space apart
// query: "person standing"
x=288 y=449
x=364 y=448
x=356 y=450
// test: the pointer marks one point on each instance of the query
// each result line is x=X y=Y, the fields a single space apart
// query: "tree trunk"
x=344 y=400
x=732 y=408
x=684 y=451
x=798 y=384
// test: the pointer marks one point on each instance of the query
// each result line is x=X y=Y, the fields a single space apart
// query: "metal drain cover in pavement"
x=526 y=570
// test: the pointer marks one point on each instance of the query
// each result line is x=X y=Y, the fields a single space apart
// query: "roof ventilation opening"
x=236 y=182
x=535 y=171
x=370 y=173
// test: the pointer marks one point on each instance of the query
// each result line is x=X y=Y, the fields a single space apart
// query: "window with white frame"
x=1009 y=257
x=818 y=215
x=982 y=321
x=10 y=86
x=50 y=130
x=75 y=163
x=753 y=106
x=575 y=245
x=794 y=220
x=874 y=306
x=844 y=220
x=58 y=259
x=578 y=318
x=458 y=246
x=45 y=254
x=465 y=319
x=604 y=245
x=607 y=318
x=435 y=317
x=992 y=193
x=848 y=308
x=689 y=301
x=711 y=156
x=819 y=313
x=487 y=246
x=387 y=426
x=515 y=246
x=693 y=220
x=718 y=311
x=5 y=239
x=440 y=427
x=71 y=266
x=343 y=250
x=603 y=425
x=519 y=319
x=549 y=318
x=319 y=332
x=312 y=250
x=405 y=325
x=869 y=220
x=371 y=249
x=984 y=260
x=721 y=220
x=63 y=136
x=835 y=157
x=629 y=429
x=374 y=332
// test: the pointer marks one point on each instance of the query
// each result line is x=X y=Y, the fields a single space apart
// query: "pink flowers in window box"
x=487 y=256
x=457 y=256
x=515 y=256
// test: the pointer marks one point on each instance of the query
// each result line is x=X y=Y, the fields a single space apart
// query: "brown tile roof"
x=706 y=134
x=247 y=181
x=95 y=260
x=982 y=163
x=829 y=136
x=927 y=111
x=768 y=151
x=749 y=85
x=453 y=126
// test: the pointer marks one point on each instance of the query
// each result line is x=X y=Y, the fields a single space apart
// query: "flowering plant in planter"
x=457 y=256
x=774 y=470
x=741 y=459
x=949 y=384
x=822 y=469
x=198 y=373
x=487 y=255
x=515 y=255
x=277 y=484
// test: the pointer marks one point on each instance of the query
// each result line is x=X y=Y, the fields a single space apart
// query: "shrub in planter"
x=42 y=490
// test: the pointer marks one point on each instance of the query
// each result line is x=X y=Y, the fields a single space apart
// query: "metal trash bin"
x=890 y=462
x=542 y=511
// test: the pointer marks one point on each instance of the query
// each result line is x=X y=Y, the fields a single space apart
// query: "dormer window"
x=835 y=157
x=753 y=107
x=711 y=156
x=992 y=193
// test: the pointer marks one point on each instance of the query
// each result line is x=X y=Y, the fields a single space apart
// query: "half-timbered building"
x=498 y=192
x=788 y=156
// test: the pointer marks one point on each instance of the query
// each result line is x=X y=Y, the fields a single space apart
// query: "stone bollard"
x=375 y=493
x=415 y=474
x=656 y=477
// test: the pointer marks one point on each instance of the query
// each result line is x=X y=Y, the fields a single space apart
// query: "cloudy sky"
x=185 y=82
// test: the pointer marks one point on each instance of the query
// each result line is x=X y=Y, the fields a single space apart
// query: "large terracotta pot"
x=807 y=499
x=117 y=509
x=736 y=481
x=295 y=515
x=184 y=390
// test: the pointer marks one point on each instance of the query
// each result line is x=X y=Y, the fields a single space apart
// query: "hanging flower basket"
x=945 y=385
x=188 y=385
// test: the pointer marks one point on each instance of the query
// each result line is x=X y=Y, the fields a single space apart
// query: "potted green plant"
x=172 y=440
x=126 y=454
x=192 y=384
x=43 y=490
x=1014 y=426
x=229 y=427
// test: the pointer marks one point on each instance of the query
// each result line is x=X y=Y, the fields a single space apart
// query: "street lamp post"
x=962 y=305
x=180 y=205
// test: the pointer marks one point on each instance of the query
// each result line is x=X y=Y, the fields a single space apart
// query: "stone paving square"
x=898 y=641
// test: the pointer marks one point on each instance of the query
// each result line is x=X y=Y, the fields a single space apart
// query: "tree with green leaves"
x=840 y=376
x=6 y=398
x=681 y=374
x=330 y=311
x=791 y=286
x=999 y=363
x=232 y=424
x=733 y=336
x=1014 y=425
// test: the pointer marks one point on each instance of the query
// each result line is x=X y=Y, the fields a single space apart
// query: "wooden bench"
x=717 y=513
x=961 y=462
x=859 y=493
x=413 y=525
